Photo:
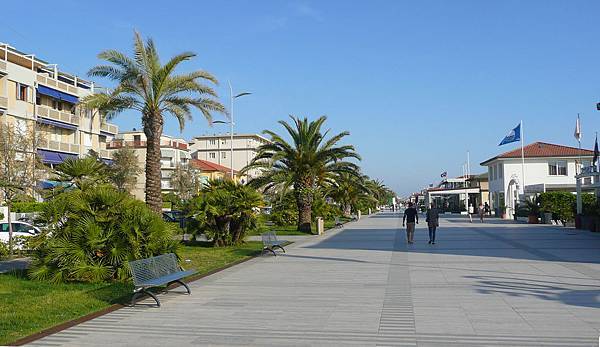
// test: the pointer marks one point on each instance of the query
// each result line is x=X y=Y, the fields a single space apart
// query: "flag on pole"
x=513 y=136
x=577 y=133
x=596 y=152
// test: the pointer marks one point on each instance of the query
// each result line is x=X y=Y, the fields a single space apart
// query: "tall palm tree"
x=146 y=85
x=306 y=163
x=351 y=191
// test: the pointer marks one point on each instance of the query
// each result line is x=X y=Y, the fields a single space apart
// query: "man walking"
x=411 y=216
x=433 y=221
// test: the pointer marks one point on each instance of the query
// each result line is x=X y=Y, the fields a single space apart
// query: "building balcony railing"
x=106 y=154
x=3 y=102
x=2 y=67
x=59 y=146
x=109 y=128
x=120 y=143
x=61 y=116
x=50 y=82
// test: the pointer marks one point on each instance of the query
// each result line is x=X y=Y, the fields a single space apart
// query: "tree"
x=305 y=164
x=225 y=210
x=124 y=169
x=185 y=181
x=146 y=85
x=82 y=173
x=18 y=166
x=351 y=191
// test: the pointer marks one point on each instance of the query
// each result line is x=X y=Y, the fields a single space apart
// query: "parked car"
x=19 y=229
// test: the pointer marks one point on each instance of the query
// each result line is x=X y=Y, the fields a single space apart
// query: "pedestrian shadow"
x=566 y=293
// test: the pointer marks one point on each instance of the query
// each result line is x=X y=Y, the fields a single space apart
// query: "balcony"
x=3 y=102
x=59 y=146
x=105 y=154
x=116 y=144
x=61 y=116
x=109 y=128
x=3 y=68
x=50 y=82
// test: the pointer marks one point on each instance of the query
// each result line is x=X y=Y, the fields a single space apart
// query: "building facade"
x=36 y=96
x=547 y=167
x=217 y=149
x=456 y=194
x=173 y=151
x=212 y=171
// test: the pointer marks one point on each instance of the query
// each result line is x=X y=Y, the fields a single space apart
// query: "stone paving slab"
x=490 y=284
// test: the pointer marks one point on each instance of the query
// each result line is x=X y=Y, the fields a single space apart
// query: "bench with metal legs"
x=271 y=243
x=162 y=270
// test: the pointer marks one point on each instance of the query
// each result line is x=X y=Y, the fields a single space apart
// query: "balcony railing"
x=109 y=128
x=3 y=102
x=2 y=66
x=120 y=143
x=59 y=146
x=61 y=116
x=50 y=82
x=105 y=154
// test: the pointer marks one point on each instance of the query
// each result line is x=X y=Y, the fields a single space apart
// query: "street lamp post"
x=231 y=122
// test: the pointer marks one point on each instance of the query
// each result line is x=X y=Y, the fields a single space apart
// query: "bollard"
x=370 y=211
x=358 y=215
x=320 y=226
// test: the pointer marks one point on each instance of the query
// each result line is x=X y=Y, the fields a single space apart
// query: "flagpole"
x=522 y=157
x=579 y=141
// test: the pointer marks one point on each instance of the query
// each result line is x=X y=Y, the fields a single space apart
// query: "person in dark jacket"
x=411 y=216
x=433 y=221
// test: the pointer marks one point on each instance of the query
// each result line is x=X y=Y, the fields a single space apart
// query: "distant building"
x=217 y=149
x=173 y=152
x=548 y=167
x=35 y=96
x=456 y=194
x=212 y=171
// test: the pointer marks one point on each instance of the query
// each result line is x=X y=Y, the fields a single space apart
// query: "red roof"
x=542 y=149
x=207 y=166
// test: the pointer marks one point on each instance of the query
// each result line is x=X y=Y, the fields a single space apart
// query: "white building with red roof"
x=547 y=167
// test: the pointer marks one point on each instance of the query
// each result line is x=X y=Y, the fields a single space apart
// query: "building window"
x=213 y=142
x=22 y=92
x=57 y=105
x=493 y=172
x=223 y=141
x=557 y=168
x=38 y=99
x=500 y=170
x=223 y=155
x=212 y=155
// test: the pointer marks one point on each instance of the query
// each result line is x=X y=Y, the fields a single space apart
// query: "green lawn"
x=27 y=306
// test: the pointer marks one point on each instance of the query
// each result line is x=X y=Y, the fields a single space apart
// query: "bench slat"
x=166 y=279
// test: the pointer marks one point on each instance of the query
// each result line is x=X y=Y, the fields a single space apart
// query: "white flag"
x=577 y=133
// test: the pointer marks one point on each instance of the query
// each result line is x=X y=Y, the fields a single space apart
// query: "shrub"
x=92 y=234
x=225 y=211
x=284 y=211
x=28 y=207
x=3 y=250
x=589 y=205
x=560 y=204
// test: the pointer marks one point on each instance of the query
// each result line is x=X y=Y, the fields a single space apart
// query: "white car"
x=19 y=229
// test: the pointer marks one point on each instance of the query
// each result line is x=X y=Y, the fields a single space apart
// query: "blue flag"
x=513 y=136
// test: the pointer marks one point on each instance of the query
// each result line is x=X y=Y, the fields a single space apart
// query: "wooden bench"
x=270 y=242
x=162 y=270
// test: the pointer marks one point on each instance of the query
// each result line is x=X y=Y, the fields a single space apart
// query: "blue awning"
x=57 y=94
x=56 y=123
x=47 y=184
x=50 y=157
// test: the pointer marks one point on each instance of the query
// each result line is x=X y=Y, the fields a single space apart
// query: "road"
x=490 y=284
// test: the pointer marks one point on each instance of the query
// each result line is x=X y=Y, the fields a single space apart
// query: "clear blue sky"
x=416 y=83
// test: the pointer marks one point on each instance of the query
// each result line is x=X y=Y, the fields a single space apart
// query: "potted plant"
x=533 y=208
x=503 y=211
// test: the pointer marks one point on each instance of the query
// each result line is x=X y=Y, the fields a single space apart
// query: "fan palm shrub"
x=154 y=89
x=82 y=173
x=305 y=164
x=93 y=233
x=225 y=211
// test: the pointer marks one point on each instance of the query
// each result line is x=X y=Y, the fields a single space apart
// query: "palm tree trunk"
x=304 y=200
x=153 y=132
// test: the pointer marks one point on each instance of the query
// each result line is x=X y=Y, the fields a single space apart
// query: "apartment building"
x=36 y=96
x=173 y=151
x=212 y=171
x=217 y=149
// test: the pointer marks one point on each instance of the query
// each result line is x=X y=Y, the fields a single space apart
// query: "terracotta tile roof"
x=207 y=166
x=541 y=150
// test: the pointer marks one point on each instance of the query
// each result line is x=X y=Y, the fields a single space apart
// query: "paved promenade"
x=492 y=284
